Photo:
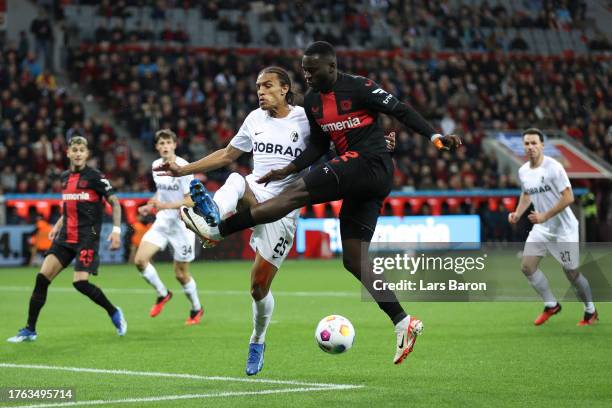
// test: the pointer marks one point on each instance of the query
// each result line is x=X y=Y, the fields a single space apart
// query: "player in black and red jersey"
x=76 y=235
x=344 y=109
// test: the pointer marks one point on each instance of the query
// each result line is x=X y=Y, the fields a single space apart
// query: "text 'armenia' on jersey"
x=82 y=204
x=348 y=115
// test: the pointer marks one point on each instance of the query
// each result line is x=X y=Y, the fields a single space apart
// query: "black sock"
x=237 y=222
x=95 y=294
x=38 y=299
x=386 y=299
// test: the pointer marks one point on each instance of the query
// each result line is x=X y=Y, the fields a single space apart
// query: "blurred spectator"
x=42 y=30
x=518 y=43
x=39 y=242
x=272 y=37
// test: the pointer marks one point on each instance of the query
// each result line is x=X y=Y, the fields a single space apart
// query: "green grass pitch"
x=470 y=354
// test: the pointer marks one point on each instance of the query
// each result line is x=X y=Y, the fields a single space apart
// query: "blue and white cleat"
x=205 y=206
x=24 y=334
x=209 y=235
x=255 y=361
x=119 y=322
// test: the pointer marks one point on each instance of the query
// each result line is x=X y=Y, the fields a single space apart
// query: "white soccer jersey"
x=544 y=185
x=171 y=189
x=275 y=142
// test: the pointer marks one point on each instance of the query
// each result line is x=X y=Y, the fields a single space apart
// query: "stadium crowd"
x=37 y=117
x=206 y=96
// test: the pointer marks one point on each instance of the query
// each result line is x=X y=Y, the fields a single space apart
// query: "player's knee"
x=141 y=262
x=351 y=264
x=527 y=269
x=571 y=274
x=259 y=290
x=81 y=285
x=296 y=195
x=182 y=275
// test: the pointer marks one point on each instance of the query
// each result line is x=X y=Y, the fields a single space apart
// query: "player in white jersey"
x=172 y=193
x=545 y=185
x=276 y=133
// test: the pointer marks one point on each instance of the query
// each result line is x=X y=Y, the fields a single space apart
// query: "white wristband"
x=436 y=136
x=116 y=230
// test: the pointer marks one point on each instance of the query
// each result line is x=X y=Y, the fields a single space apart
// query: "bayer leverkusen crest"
x=346 y=104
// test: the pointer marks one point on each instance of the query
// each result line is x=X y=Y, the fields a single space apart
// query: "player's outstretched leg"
x=98 y=297
x=205 y=206
x=407 y=327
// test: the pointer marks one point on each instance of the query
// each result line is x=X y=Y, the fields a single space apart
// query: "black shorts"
x=85 y=254
x=361 y=181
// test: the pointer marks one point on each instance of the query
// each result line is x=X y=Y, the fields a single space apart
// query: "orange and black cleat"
x=547 y=313
x=589 y=319
x=194 y=317
x=159 y=305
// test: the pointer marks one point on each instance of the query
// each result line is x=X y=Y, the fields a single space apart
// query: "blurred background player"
x=343 y=109
x=276 y=133
x=545 y=184
x=40 y=241
x=76 y=236
x=172 y=193
x=139 y=227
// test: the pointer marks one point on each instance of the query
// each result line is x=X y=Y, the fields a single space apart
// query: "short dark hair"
x=77 y=139
x=534 y=131
x=165 y=134
x=322 y=48
x=283 y=78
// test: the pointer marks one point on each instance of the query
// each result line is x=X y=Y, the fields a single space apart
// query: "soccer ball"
x=335 y=334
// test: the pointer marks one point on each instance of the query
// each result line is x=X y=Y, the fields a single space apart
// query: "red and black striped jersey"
x=348 y=115
x=82 y=204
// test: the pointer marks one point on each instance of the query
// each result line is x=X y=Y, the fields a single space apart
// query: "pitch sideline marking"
x=179 y=375
x=176 y=397
x=205 y=292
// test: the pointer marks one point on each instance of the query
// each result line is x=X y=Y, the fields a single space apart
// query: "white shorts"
x=175 y=233
x=274 y=240
x=565 y=248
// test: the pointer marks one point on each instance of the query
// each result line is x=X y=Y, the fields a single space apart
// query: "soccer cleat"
x=194 y=317
x=119 y=322
x=406 y=339
x=255 y=361
x=205 y=206
x=159 y=304
x=209 y=236
x=547 y=313
x=589 y=319
x=24 y=334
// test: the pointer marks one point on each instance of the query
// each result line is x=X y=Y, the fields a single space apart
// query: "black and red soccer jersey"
x=83 y=205
x=348 y=116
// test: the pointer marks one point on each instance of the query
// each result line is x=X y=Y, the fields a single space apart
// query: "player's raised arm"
x=378 y=99
x=215 y=160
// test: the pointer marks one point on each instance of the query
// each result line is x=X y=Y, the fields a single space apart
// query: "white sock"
x=262 y=313
x=150 y=275
x=402 y=326
x=583 y=291
x=191 y=291
x=540 y=284
x=228 y=195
